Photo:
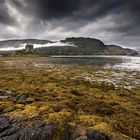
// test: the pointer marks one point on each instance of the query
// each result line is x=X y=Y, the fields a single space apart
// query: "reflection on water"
x=96 y=70
x=117 y=62
x=132 y=63
x=123 y=62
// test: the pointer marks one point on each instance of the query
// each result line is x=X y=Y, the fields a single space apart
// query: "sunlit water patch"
x=130 y=63
x=117 y=62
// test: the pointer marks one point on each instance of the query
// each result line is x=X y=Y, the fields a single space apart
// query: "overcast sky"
x=112 y=21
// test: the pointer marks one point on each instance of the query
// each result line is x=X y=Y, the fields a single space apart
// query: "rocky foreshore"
x=61 y=102
x=15 y=129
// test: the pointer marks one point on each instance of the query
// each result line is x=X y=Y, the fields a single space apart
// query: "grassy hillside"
x=85 y=46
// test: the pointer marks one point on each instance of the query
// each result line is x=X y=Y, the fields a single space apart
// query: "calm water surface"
x=120 y=62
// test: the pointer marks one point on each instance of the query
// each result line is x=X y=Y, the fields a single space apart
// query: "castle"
x=29 y=48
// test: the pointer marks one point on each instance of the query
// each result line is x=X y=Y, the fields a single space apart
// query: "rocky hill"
x=117 y=50
x=85 y=46
x=69 y=46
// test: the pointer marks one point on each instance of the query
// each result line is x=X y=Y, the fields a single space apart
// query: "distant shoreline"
x=79 y=56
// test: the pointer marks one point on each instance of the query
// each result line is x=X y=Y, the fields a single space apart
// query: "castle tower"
x=29 y=48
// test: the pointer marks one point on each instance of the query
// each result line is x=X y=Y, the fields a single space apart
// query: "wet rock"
x=75 y=92
x=1 y=109
x=12 y=137
x=22 y=100
x=38 y=131
x=66 y=132
x=14 y=99
x=81 y=133
x=29 y=100
x=96 y=135
x=19 y=130
x=39 y=99
x=13 y=96
x=77 y=133
x=4 y=123
x=9 y=128
x=3 y=96
x=1 y=93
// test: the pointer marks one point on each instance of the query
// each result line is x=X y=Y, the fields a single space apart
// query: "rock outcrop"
x=20 y=130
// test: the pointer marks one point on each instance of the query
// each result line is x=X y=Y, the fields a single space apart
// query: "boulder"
x=20 y=130
x=96 y=135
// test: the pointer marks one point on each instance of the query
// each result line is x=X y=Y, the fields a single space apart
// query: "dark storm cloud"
x=47 y=9
x=109 y=20
x=56 y=8
x=5 y=17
